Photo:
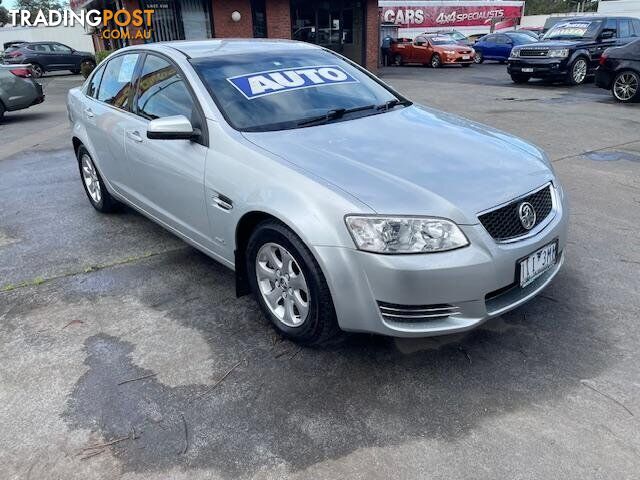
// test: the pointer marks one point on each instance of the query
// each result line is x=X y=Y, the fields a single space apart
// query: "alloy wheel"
x=626 y=86
x=579 y=71
x=36 y=71
x=435 y=61
x=282 y=284
x=477 y=58
x=90 y=177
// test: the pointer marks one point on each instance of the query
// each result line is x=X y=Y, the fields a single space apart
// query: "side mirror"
x=177 y=127
x=606 y=34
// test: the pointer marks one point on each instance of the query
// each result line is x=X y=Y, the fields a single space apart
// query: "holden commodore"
x=338 y=202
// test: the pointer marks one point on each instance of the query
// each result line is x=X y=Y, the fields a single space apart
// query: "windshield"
x=573 y=30
x=277 y=90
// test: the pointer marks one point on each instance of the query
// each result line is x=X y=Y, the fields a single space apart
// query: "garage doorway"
x=334 y=24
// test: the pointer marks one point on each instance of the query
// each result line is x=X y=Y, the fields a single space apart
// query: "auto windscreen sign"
x=259 y=84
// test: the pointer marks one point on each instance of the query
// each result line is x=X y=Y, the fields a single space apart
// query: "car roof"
x=226 y=46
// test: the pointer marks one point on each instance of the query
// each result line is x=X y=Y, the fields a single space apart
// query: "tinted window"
x=611 y=25
x=575 y=30
x=636 y=28
x=502 y=39
x=489 y=39
x=94 y=83
x=115 y=88
x=276 y=90
x=58 y=47
x=39 y=48
x=625 y=28
x=162 y=91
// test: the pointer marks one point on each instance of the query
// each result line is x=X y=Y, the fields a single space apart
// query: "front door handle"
x=89 y=113
x=135 y=136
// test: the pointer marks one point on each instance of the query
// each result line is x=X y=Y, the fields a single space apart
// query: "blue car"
x=497 y=46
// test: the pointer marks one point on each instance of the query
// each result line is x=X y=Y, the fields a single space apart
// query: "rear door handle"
x=89 y=113
x=135 y=136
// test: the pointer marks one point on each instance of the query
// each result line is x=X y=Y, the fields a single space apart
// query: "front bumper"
x=457 y=59
x=479 y=281
x=539 y=67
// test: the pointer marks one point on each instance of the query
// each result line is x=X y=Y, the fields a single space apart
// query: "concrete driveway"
x=125 y=353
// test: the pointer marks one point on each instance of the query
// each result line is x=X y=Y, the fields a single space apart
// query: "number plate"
x=466 y=57
x=537 y=263
x=527 y=70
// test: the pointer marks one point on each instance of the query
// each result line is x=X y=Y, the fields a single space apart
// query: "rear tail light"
x=603 y=59
x=21 y=72
x=14 y=54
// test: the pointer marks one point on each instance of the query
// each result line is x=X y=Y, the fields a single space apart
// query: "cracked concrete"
x=550 y=390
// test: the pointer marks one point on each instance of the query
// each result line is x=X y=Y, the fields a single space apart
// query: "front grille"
x=504 y=223
x=416 y=313
x=533 y=52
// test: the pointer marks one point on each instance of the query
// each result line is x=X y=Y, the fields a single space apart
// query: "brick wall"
x=225 y=27
x=372 y=23
x=278 y=18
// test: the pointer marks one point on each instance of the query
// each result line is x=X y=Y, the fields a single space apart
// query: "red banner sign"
x=448 y=16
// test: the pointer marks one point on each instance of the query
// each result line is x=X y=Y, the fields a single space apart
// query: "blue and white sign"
x=259 y=84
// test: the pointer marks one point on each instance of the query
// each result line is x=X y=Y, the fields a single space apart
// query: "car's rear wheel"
x=578 y=71
x=2 y=110
x=436 y=62
x=626 y=87
x=94 y=187
x=36 y=70
x=520 y=78
x=397 y=60
x=289 y=285
x=478 y=58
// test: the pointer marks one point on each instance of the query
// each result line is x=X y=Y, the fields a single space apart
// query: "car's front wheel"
x=478 y=58
x=520 y=78
x=578 y=71
x=436 y=62
x=289 y=285
x=94 y=187
x=626 y=87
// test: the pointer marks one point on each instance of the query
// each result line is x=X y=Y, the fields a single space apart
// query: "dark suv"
x=570 y=50
x=48 y=57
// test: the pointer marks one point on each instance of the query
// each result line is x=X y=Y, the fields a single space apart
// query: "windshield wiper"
x=333 y=114
x=393 y=103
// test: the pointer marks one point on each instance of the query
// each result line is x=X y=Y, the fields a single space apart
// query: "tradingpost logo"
x=102 y=20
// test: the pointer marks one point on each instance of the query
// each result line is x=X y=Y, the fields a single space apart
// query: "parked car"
x=570 y=50
x=538 y=31
x=18 y=90
x=308 y=176
x=435 y=50
x=497 y=46
x=48 y=57
x=526 y=31
x=455 y=35
x=619 y=71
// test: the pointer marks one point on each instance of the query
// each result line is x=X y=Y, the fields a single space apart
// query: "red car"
x=434 y=50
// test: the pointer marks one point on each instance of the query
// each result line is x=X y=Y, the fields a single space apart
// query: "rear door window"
x=116 y=86
x=162 y=91
x=625 y=28
x=636 y=28
x=94 y=83
x=612 y=26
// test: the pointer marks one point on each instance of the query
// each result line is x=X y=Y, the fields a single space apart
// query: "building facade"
x=350 y=27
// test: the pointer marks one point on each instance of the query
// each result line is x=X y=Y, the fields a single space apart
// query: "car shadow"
x=363 y=391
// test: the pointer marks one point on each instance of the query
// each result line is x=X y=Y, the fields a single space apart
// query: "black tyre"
x=36 y=70
x=625 y=87
x=2 y=110
x=397 y=60
x=478 y=58
x=578 y=71
x=289 y=285
x=93 y=185
x=436 y=62
x=520 y=78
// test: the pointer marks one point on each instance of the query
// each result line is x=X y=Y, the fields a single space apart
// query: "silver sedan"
x=338 y=202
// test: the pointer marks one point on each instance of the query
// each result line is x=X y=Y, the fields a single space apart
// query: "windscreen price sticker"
x=259 y=84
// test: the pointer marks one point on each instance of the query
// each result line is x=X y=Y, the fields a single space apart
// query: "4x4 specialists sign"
x=418 y=16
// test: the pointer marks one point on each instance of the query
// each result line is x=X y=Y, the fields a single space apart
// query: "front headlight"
x=515 y=52
x=405 y=234
x=559 y=52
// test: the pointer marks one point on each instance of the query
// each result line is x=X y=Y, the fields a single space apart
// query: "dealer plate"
x=537 y=263
x=527 y=70
x=466 y=57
